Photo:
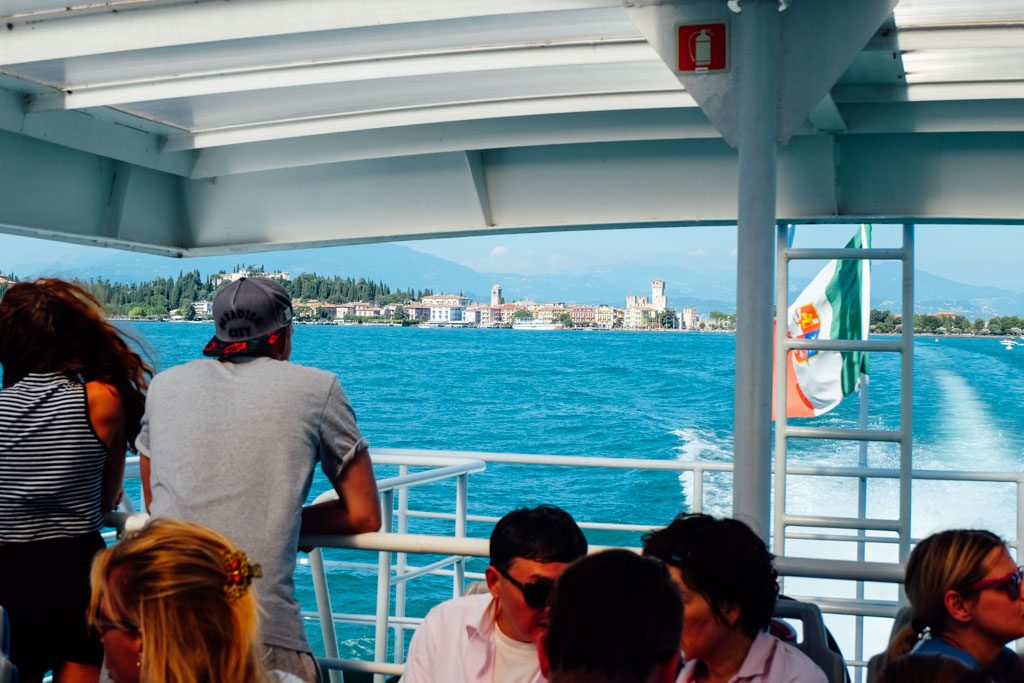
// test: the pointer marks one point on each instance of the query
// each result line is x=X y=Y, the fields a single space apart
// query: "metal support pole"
x=461 y=503
x=380 y=653
x=401 y=567
x=758 y=95
x=862 y=513
x=907 y=391
x=781 y=376
x=324 y=609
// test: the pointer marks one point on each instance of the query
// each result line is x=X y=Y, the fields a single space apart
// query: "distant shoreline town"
x=348 y=301
x=335 y=300
x=456 y=310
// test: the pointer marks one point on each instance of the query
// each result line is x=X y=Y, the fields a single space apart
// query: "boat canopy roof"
x=204 y=127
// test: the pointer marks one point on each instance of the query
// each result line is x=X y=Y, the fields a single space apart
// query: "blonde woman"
x=172 y=603
x=965 y=593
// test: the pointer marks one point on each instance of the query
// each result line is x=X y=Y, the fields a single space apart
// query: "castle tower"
x=658 y=301
x=496 y=298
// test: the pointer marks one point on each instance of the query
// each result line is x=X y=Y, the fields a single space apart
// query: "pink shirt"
x=455 y=644
x=769 y=660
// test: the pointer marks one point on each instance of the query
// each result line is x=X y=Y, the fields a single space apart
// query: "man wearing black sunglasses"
x=489 y=638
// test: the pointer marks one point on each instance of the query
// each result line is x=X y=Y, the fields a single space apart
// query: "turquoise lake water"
x=661 y=396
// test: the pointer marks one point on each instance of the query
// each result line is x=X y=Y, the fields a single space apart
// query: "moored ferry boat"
x=198 y=128
x=533 y=324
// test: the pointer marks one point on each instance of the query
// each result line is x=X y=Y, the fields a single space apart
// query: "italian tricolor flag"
x=836 y=305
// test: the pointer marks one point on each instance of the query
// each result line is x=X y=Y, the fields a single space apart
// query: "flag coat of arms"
x=836 y=305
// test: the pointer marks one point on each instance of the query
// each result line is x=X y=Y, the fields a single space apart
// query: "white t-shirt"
x=514 y=662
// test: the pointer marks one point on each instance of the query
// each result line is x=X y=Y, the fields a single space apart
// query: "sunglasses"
x=535 y=593
x=1010 y=583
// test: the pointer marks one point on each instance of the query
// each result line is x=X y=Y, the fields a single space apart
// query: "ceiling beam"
x=83 y=131
x=481 y=134
x=409 y=116
x=929 y=92
x=369 y=67
x=138 y=27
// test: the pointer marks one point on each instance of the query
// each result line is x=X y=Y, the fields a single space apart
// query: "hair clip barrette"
x=239 y=573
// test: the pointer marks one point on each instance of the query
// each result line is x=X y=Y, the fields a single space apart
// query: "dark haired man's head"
x=726 y=564
x=530 y=548
x=543 y=534
x=615 y=617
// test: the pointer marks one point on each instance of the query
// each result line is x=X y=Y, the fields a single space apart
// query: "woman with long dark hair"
x=71 y=405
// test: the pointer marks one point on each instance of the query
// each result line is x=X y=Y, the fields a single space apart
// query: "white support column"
x=758 y=95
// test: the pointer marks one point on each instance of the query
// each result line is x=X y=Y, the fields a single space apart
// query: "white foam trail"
x=698 y=444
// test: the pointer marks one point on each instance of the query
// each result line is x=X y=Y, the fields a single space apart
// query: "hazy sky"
x=980 y=255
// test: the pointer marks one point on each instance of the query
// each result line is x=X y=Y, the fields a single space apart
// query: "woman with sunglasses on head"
x=729 y=586
x=171 y=603
x=71 y=405
x=965 y=593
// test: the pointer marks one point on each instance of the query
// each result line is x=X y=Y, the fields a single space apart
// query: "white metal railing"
x=389 y=544
x=784 y=345
x=393 y=544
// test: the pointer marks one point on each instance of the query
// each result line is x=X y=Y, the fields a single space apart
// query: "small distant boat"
x=533 y=324
x=1008 y=344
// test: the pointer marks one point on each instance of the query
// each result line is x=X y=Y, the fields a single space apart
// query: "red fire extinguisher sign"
x=703 y=48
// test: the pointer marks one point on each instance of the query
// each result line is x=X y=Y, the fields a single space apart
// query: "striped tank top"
x=51 y=461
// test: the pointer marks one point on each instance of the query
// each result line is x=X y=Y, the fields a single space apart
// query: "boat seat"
x=815 y=642
x=877 y=663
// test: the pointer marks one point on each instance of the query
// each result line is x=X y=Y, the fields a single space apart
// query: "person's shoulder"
x=468 y=608
x=794 y=665
x=192 y=367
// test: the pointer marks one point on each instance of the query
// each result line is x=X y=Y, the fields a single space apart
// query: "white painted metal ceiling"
x=213 y=126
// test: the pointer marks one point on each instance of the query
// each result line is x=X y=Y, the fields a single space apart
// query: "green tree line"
x=160 y=296
x=928 y=323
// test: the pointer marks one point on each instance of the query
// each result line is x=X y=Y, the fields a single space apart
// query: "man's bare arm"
x=147 y=492
x=357 y=509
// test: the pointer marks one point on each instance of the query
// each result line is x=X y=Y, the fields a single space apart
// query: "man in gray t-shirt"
x=231 y=442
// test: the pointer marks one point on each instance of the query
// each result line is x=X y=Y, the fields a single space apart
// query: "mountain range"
x=403 y=267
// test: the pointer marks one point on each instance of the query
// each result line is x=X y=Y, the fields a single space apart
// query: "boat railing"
x=394 y=544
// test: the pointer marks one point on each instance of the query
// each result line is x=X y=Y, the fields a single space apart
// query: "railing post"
x=697 y=505
x=384 y=586
x=907 y=392
x=461 y=503
x=326 y=612
x=1020 y=519
x=862 y=513
x=401 y=566
x=781 y=405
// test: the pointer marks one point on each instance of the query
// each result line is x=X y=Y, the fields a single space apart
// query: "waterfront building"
x=690 y=318
x=550 y=312
x=506 y=312
x=658 y=300
x=226 y=278
x=414 y=310
x=606 y=317
x=203 y=308
x=583 y=316
x=318 y=308
x=432 y=300
x=344 y=310
x=446 y=313
x=368 y=311
x=636 y=301
x=496 y=298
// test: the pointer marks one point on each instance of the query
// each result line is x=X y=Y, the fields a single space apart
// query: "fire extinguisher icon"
x=700 y=48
